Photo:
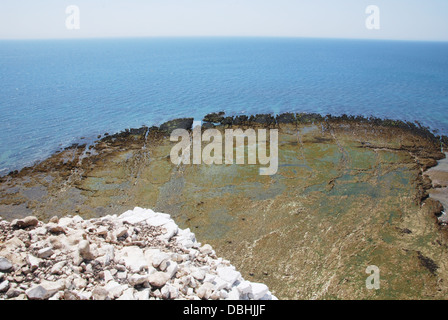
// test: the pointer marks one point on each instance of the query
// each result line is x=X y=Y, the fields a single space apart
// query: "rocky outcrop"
x=170 y=126
x=138 y=255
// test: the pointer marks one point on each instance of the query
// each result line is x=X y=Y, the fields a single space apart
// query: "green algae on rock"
x=350 y=192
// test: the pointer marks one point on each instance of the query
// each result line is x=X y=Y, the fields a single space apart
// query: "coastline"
x=360 y=162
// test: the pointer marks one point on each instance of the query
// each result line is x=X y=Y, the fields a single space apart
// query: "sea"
x=54 y=93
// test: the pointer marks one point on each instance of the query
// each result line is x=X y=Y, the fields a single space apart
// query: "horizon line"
x=217 y=36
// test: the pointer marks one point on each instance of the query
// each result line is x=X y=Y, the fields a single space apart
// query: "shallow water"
x=55 y=92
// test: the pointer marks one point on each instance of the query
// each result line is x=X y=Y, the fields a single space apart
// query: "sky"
x=398 y=19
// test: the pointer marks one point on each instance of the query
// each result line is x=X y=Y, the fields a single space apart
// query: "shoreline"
x=218 y=119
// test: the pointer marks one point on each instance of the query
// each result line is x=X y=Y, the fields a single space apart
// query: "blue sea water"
x=57 y=92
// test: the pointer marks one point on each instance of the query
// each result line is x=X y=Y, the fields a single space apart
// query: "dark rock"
x=434 y=206
x=30 y=221
x=207 y=125
x=428 y=263
x=139 y=131
x=286 y=118
x=170 y=126
x=309 y=117
x=214 y=117
x=426 y=183
x=240 y=120
x=263 y=119
x=227 y=121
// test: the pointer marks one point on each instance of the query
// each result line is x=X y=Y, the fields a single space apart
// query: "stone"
x=79 y=283
x=29 y=221
x=77 y=219
x=172 y=269
x=183 y=123
x=45 y=253
x=58 y=242
x=71 y=295
x=37 y=293
x=114 y=289
x=5 y=265
x=121 y=232
x=108 y=276
x=57 y=268
x=44 y=290
x=133 y=258
x=205 y=291
x=54 y=219
x=137 y=279
x=77 y=259
x=102 y=231
x=136 y=216
x=198 y=274
x=55 y=229
x=65 y=221
x=157 y=294
x=228 y=274
x=122 y=275
x=210 y=277
x=258 y=290
x=234 y=294
x=74 y=237
x=128 y=294
x=159 y=219
x=158 y=279
x=206 y=249
x=100 y=293
x=214 y=117
x=244 y=287
x=221 y=284
x=143 y=295
x=84 y=250
x=4 y=286
x=165 y=291
x=13 y=293
x=171 y=230
x=84 y=295
x=33 y=261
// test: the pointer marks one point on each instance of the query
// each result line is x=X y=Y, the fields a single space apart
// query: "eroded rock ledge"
x=138 y=255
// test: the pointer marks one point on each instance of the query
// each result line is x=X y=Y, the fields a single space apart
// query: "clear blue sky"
x=400 y=19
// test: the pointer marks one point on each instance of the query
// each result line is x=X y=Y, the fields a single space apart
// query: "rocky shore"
x=139 y=255
x=349 y=192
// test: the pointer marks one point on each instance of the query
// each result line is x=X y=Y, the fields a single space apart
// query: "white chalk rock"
x=137 y=279
x=234 y=294
x=171 y=230
x=159 y=257
x=228 y=274
x=136 y=216
x=45 y=253
x=172 y=269
x=133 y=257
x=244 y=287
x=84 y=250
x=114 y=289
x=158 y=279
x=259 y=290
x=44 y=290
x=128 y=294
